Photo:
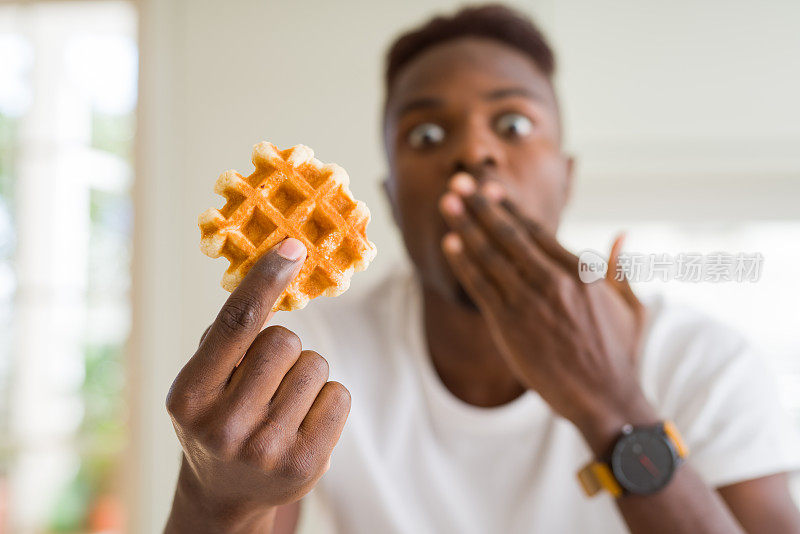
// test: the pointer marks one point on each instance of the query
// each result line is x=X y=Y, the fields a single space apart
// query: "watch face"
x=643 y=461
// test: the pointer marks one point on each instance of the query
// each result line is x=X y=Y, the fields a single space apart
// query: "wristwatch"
x=642 y=462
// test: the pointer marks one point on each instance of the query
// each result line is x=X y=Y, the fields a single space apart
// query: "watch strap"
x=597 y=476
x=676 y=439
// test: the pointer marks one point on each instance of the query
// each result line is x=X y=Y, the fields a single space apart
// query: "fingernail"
x=291 y=249
x=452 y=242
x=463 y=183
x=452 y=204
x=493 y=190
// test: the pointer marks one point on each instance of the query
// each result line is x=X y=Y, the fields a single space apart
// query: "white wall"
x=699 y=92
x=682 y=97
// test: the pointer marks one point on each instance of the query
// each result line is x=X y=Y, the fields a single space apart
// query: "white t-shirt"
x=413 y=458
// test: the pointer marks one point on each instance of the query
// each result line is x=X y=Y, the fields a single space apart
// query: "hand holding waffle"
x=259 y=434
x=255 y=414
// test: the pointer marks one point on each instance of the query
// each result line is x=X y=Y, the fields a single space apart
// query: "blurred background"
x=116 y=118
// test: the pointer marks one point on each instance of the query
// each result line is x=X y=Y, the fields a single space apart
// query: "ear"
x=387 y=184
x=569 y=178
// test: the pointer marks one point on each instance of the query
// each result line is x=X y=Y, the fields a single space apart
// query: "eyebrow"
x=507 y=92
x=420 y=103
x=429 y=102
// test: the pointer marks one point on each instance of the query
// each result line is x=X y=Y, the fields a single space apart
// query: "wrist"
x=601 y=425
x=192 y=511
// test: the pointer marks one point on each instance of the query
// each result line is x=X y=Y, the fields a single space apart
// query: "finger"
x=622 y=286
x=266 y=320
x=263 y=326
x=490 y=260
x=205 y=333
x=548 y=242
x=273 y=353
x=613 y=259
x=483 y=292
x=616 y=248
x=320 y=430
x=298 y=390
x=244 y=313
x=511 y=237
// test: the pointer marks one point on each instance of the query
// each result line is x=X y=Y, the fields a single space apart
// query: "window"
x=67 y=102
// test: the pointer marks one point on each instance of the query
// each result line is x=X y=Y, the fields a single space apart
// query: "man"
x=486 y=381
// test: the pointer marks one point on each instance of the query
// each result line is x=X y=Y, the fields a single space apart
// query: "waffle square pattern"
x=290 y=194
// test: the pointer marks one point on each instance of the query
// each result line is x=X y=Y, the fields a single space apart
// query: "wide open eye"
x=513 y=125
x=425 y=135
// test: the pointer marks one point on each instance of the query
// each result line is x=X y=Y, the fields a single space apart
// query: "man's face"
x=472 y=105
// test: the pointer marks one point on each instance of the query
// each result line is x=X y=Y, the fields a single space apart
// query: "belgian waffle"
x=291 y=193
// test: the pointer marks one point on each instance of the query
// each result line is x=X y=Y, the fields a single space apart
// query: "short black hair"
x=493 y=21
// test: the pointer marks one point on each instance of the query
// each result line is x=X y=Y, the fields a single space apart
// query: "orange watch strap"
x=672 y=433
x=597 y=476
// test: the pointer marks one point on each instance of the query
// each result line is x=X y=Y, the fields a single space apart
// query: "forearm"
x=685 y=505
x=191 y=514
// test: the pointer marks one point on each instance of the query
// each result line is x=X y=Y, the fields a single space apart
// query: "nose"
x=476 y=152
